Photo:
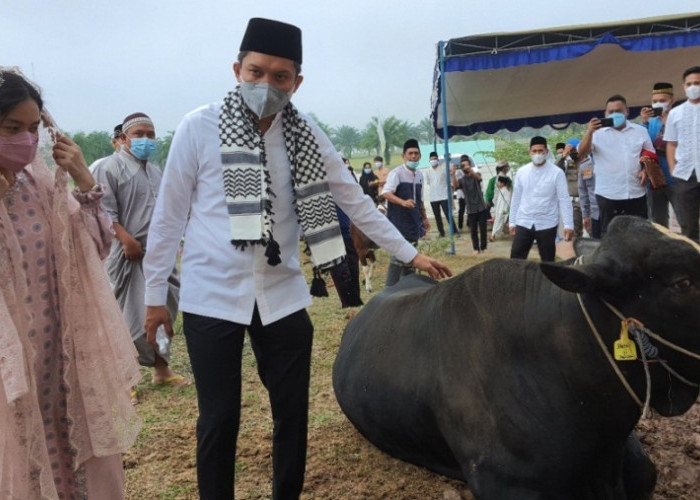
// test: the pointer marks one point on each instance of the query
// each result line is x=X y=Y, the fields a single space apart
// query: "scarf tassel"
x=318 y=285
x=272 y=252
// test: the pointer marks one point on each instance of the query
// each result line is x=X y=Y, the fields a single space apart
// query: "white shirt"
x=683 y=127
x=217 y=280
x=403 y=174
x=616 y=154
x=436 y=180
x=539 y=195
x=459 y=194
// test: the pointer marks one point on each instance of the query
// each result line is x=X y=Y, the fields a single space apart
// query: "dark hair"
x=241 y=56
x=15 y=89
x=378 y=158
x=366 y=164
x=616 y=97
x=504 y=180
x=690 y=71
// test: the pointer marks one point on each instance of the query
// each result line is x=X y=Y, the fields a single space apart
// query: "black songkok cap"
x=560 y=145
x=117 y=131
x=272 y=38
x=538 y=140
x=411 y=143
x=662 y=88
x=433 y=154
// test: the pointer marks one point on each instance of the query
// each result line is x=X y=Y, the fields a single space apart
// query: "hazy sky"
x=98 y=61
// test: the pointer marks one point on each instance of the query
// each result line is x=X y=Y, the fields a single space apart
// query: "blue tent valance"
x=558 y=76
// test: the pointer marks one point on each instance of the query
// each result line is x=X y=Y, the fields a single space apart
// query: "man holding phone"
x=617 y=145
x=654 y=120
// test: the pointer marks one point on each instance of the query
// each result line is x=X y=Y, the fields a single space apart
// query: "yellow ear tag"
x=625 y=350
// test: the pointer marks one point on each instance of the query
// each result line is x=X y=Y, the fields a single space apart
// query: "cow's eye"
x=682 y=285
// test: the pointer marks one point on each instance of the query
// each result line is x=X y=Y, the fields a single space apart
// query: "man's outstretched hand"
x=434 y=268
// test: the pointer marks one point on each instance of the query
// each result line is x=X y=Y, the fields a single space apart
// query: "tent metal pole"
x=445 y=138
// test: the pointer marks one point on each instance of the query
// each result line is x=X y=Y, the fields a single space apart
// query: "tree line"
x=381 y=136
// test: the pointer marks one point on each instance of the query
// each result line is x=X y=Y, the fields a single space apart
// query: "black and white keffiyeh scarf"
x=247 y=184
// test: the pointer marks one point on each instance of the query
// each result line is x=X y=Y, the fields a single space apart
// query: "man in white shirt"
x=616 y=147
x=682 y=136
x=244 y=176
x=540 y=195
x=436 y=180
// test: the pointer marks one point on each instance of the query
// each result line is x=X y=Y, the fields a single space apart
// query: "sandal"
x=173 y=381
x=134 y=396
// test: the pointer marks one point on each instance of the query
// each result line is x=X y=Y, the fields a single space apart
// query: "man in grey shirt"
x=131 y=185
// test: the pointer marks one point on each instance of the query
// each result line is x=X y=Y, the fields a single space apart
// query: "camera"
x=657 y=111
x=606 y=122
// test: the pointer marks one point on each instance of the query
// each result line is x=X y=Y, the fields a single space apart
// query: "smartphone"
x=606 y=122
x=657 y=111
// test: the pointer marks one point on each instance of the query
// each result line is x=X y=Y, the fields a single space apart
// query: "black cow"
x=494 y=377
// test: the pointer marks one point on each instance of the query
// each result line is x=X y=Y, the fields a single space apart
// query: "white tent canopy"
x=532 y=79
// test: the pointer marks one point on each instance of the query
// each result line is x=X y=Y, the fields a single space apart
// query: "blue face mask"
x=142 y=147
x=618 y=119
x=367 y=170
x=412 y=164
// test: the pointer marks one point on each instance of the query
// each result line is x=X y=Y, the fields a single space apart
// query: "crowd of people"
x=617 y=167
x=245 y=177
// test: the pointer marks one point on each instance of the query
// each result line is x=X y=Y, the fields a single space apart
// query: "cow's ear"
x=585 y=246
x=577 y=279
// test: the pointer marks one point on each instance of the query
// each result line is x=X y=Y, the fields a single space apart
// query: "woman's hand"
x=68 y=156
x=7 y=179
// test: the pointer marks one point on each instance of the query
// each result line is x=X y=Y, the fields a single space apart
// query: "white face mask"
x=264 y=99
x=538 y=158
x=692 y=92
x=662 y=105
x=378 y=164
x=434 y=163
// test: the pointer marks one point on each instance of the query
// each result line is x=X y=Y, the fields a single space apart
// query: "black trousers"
x=524 y=238
x=436 y=206
x=462 y=204
x=609 y=209
x=283 y=354
x=346 y=277
x=657 y=204
x=477 y=226
x=686 y=195
x=398 y=269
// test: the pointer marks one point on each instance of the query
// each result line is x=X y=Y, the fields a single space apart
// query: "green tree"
x=424 y=131
x=369 y=140
x=515 y=152
x=396 y=132
x=327 y=129
x=161 y=154
x=94 y=145
x=346 y=139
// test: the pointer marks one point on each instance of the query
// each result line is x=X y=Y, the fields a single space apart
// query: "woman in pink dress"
x=66 y=359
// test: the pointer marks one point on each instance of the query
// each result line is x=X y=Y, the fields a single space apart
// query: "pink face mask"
x=18 y=151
